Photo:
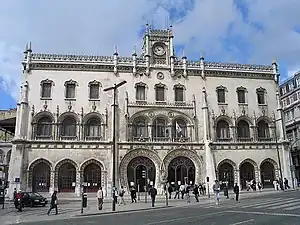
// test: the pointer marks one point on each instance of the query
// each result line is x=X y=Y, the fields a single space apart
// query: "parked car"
x=33 y=199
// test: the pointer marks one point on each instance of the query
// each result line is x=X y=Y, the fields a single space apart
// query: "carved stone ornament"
x=179 y=86
x=223 y=111
x=160 y=76
x=170 y=115
x=95 y=82
x=71 y=81
x=70 y=106
x=45 y=106
x=243 y=111
x=94 y=107
x=151 y=114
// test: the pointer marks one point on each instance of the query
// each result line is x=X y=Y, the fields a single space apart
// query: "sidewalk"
x=73 y=209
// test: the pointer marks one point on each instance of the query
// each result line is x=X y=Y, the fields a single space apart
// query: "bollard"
x=83 y=201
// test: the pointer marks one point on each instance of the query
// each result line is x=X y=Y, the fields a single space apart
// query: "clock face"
x=159 y=50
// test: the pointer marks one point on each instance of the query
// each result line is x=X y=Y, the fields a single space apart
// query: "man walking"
x=153 y=193
x=196 y=192
x=121 y=195
x=216 y=189
x=100 y=198
x=236 y=190
x=53 y=203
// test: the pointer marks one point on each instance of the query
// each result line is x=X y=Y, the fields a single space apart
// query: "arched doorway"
x=181 y=169
x=267 y=172
x=247 y=173
x=226 y=174
x=92 y=176
x=41 y=177
x=66 y=177
x=141 y=172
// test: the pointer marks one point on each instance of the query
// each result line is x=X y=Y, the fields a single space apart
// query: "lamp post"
x=114 y=88
x=277 y=149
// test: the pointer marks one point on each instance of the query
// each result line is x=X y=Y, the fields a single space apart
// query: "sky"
x=240 y=31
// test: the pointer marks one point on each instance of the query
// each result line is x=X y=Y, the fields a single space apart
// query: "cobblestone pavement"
x=72 y=209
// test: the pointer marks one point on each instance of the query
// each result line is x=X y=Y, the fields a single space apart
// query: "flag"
x=178 y=128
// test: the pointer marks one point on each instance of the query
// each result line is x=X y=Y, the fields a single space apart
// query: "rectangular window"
x=288 y=101
x=283 y=90
x=46 y=90
x=261 y=97
x=295 y=97
x=160 y=94
x=140 y=93
x=221 y=96
x=94 y=91
x=178 y=94
x=241 y=96
x=70 y=91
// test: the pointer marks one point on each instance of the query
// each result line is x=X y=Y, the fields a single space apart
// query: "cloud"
x=245 y=31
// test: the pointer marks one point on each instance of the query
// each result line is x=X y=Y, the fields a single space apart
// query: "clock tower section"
x=158 y=46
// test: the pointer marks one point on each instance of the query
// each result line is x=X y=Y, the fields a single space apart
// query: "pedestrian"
x=100 y=198
x=53 y=203
x=182 y=190
x=14 y=196
x=115 y=195
x=152 y=193
x=216 y=189
x=226 y=191
x=176 y=191
x=121 y=195
x=196 y=192
x=170 y=190
x=259 y=185
x=187 y=193
x=286 y=184
x=133 y=195
x=236 y=190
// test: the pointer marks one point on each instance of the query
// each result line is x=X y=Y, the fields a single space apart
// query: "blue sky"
x=243 y=31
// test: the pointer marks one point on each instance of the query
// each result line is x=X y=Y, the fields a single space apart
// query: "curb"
x=124 y=211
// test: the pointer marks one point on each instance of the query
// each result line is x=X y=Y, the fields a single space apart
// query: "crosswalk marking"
x=269 y=204
x=287 y=204
x=274 y=203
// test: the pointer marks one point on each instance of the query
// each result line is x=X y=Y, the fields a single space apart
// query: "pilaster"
x=78 y=183
x=52 y=182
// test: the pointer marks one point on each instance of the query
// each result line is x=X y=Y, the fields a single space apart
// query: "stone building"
x=177 y=120
x=7 y=129
x=290 y=98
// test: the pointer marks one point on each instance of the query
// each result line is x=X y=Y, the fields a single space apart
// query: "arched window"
x=263 y=129
x=69 y=128
x=2 y=156
x=223 y=131
x=243 y=130
x=179 y=130
x=93 y=129
x=159 y=129
x=44 y=127
x=139 y=128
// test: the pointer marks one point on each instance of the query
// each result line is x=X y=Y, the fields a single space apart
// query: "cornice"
x=126 y=64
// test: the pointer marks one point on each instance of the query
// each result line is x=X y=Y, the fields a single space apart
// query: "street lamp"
x=114 y=88
x=277 y=149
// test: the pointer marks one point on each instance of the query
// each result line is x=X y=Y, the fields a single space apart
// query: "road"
x=279 y=209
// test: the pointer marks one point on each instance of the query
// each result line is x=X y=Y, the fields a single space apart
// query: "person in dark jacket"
x=53 y=203
x=153 y=193
x=236 y=190
x=133 y=195
x=196 y=192
x=170 y=190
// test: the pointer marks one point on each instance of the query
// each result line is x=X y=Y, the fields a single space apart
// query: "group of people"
x=281 y=185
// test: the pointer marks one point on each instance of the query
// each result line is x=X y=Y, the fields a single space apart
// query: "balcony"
x=160 y=104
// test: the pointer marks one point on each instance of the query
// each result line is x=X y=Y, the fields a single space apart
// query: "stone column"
x=149 y=132
x=232 y=133
x=52 y=182
x=237 y=178
x=78 y=183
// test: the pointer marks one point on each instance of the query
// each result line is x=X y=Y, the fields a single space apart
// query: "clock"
x=159 y=50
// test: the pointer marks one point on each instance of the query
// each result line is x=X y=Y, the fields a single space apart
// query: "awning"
x=8 y=125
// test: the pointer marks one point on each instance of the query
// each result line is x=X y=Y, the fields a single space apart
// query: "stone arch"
x=37 y=161
x=63 y=161
x=92 y=115
x=42 y=114
x=272 y=161
x=160 y=115
x=264 y=118
x=136 y=153
x=58 y=165
x=100 y=164
x=183 y=117
x=68 y=114
x=225 y=118
x=251 y=161
x=245 y=118
x=140 y=114
x=188 y=154
x=229 y=161
x=33 y=164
